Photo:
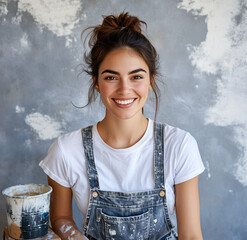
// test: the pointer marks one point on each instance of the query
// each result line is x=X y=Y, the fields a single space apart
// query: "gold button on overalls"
x=95 y=194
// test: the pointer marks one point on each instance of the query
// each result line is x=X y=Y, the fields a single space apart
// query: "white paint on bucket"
x=21 y=205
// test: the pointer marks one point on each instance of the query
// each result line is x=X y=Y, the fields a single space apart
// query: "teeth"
x=124 y=101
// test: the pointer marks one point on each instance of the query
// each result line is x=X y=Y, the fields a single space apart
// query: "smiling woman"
x=127 y=173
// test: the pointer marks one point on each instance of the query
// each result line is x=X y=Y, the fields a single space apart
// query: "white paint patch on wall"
x=19 y=109
x=60 y=17
x=46 y=127
x=224 y=52
x=28 y=143
x=208 y=169
x=24 y=41
x=3 y=8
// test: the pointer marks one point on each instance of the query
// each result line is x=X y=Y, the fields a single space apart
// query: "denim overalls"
x=117 y=215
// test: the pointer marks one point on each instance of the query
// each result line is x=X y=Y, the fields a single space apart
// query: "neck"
x=122 y=133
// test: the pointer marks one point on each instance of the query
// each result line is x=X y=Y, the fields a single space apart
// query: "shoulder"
x=66 y=147
x=65 y=161
x=179 y=140
x=70 y=139
x=182 y=153
x=175 y=137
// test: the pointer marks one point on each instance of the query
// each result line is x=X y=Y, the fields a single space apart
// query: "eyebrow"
x=117 y=73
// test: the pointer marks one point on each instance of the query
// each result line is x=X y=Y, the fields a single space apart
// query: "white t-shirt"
x=125 y=170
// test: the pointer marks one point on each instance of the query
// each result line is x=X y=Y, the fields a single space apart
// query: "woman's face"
x=123 y=83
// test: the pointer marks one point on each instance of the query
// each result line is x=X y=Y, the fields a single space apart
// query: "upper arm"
x=188 y=209
x=61 y=201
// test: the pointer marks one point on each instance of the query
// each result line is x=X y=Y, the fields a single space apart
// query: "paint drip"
x=27 y=210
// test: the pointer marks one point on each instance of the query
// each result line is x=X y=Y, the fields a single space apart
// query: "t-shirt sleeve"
x=188 y=163
x=55 y=166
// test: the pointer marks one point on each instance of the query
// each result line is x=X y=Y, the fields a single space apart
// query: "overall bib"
x=124 y=216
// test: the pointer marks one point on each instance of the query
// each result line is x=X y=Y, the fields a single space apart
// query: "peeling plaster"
x=59 y=18
x=224 y=53
x=3 y=8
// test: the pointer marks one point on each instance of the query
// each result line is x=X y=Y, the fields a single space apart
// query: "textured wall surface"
x=202 y=47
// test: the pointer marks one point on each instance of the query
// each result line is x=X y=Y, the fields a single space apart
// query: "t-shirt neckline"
x=144 y=138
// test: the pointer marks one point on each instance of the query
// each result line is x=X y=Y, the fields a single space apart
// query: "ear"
x=152 y=80
x=96 y=83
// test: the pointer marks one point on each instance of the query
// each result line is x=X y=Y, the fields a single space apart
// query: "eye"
x=110 y=78
x=137 y=77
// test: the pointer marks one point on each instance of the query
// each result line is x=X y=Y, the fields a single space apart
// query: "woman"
x=127 y=173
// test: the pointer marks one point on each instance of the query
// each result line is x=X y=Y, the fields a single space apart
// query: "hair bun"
x=112 y=23
x=123 y=21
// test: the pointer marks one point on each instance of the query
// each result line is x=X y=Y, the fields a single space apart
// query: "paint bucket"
x=27 y=210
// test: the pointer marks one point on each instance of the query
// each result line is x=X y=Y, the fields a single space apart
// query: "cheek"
x=105 y=90
x=143 y=89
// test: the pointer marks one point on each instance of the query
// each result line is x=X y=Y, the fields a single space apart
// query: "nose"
x=124 y=86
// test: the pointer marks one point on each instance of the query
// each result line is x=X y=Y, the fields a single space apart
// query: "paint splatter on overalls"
x=118 y=215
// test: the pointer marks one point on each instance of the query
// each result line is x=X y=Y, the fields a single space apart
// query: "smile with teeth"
x=124 y=102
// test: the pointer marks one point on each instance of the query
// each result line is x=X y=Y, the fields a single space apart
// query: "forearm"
x=188 y=210
x=190 y=238
x=66 y=229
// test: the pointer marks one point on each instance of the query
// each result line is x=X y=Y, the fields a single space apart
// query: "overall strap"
x=87 y=140
x=159 y=155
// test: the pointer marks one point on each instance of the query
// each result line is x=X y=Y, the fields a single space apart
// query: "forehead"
x=123 y=59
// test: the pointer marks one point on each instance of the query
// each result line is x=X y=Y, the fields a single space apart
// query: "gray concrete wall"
x=202 y=47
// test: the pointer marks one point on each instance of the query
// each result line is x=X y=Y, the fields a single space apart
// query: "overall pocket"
x=125 y=228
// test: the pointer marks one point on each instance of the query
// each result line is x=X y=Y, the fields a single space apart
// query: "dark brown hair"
x=116 y=32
